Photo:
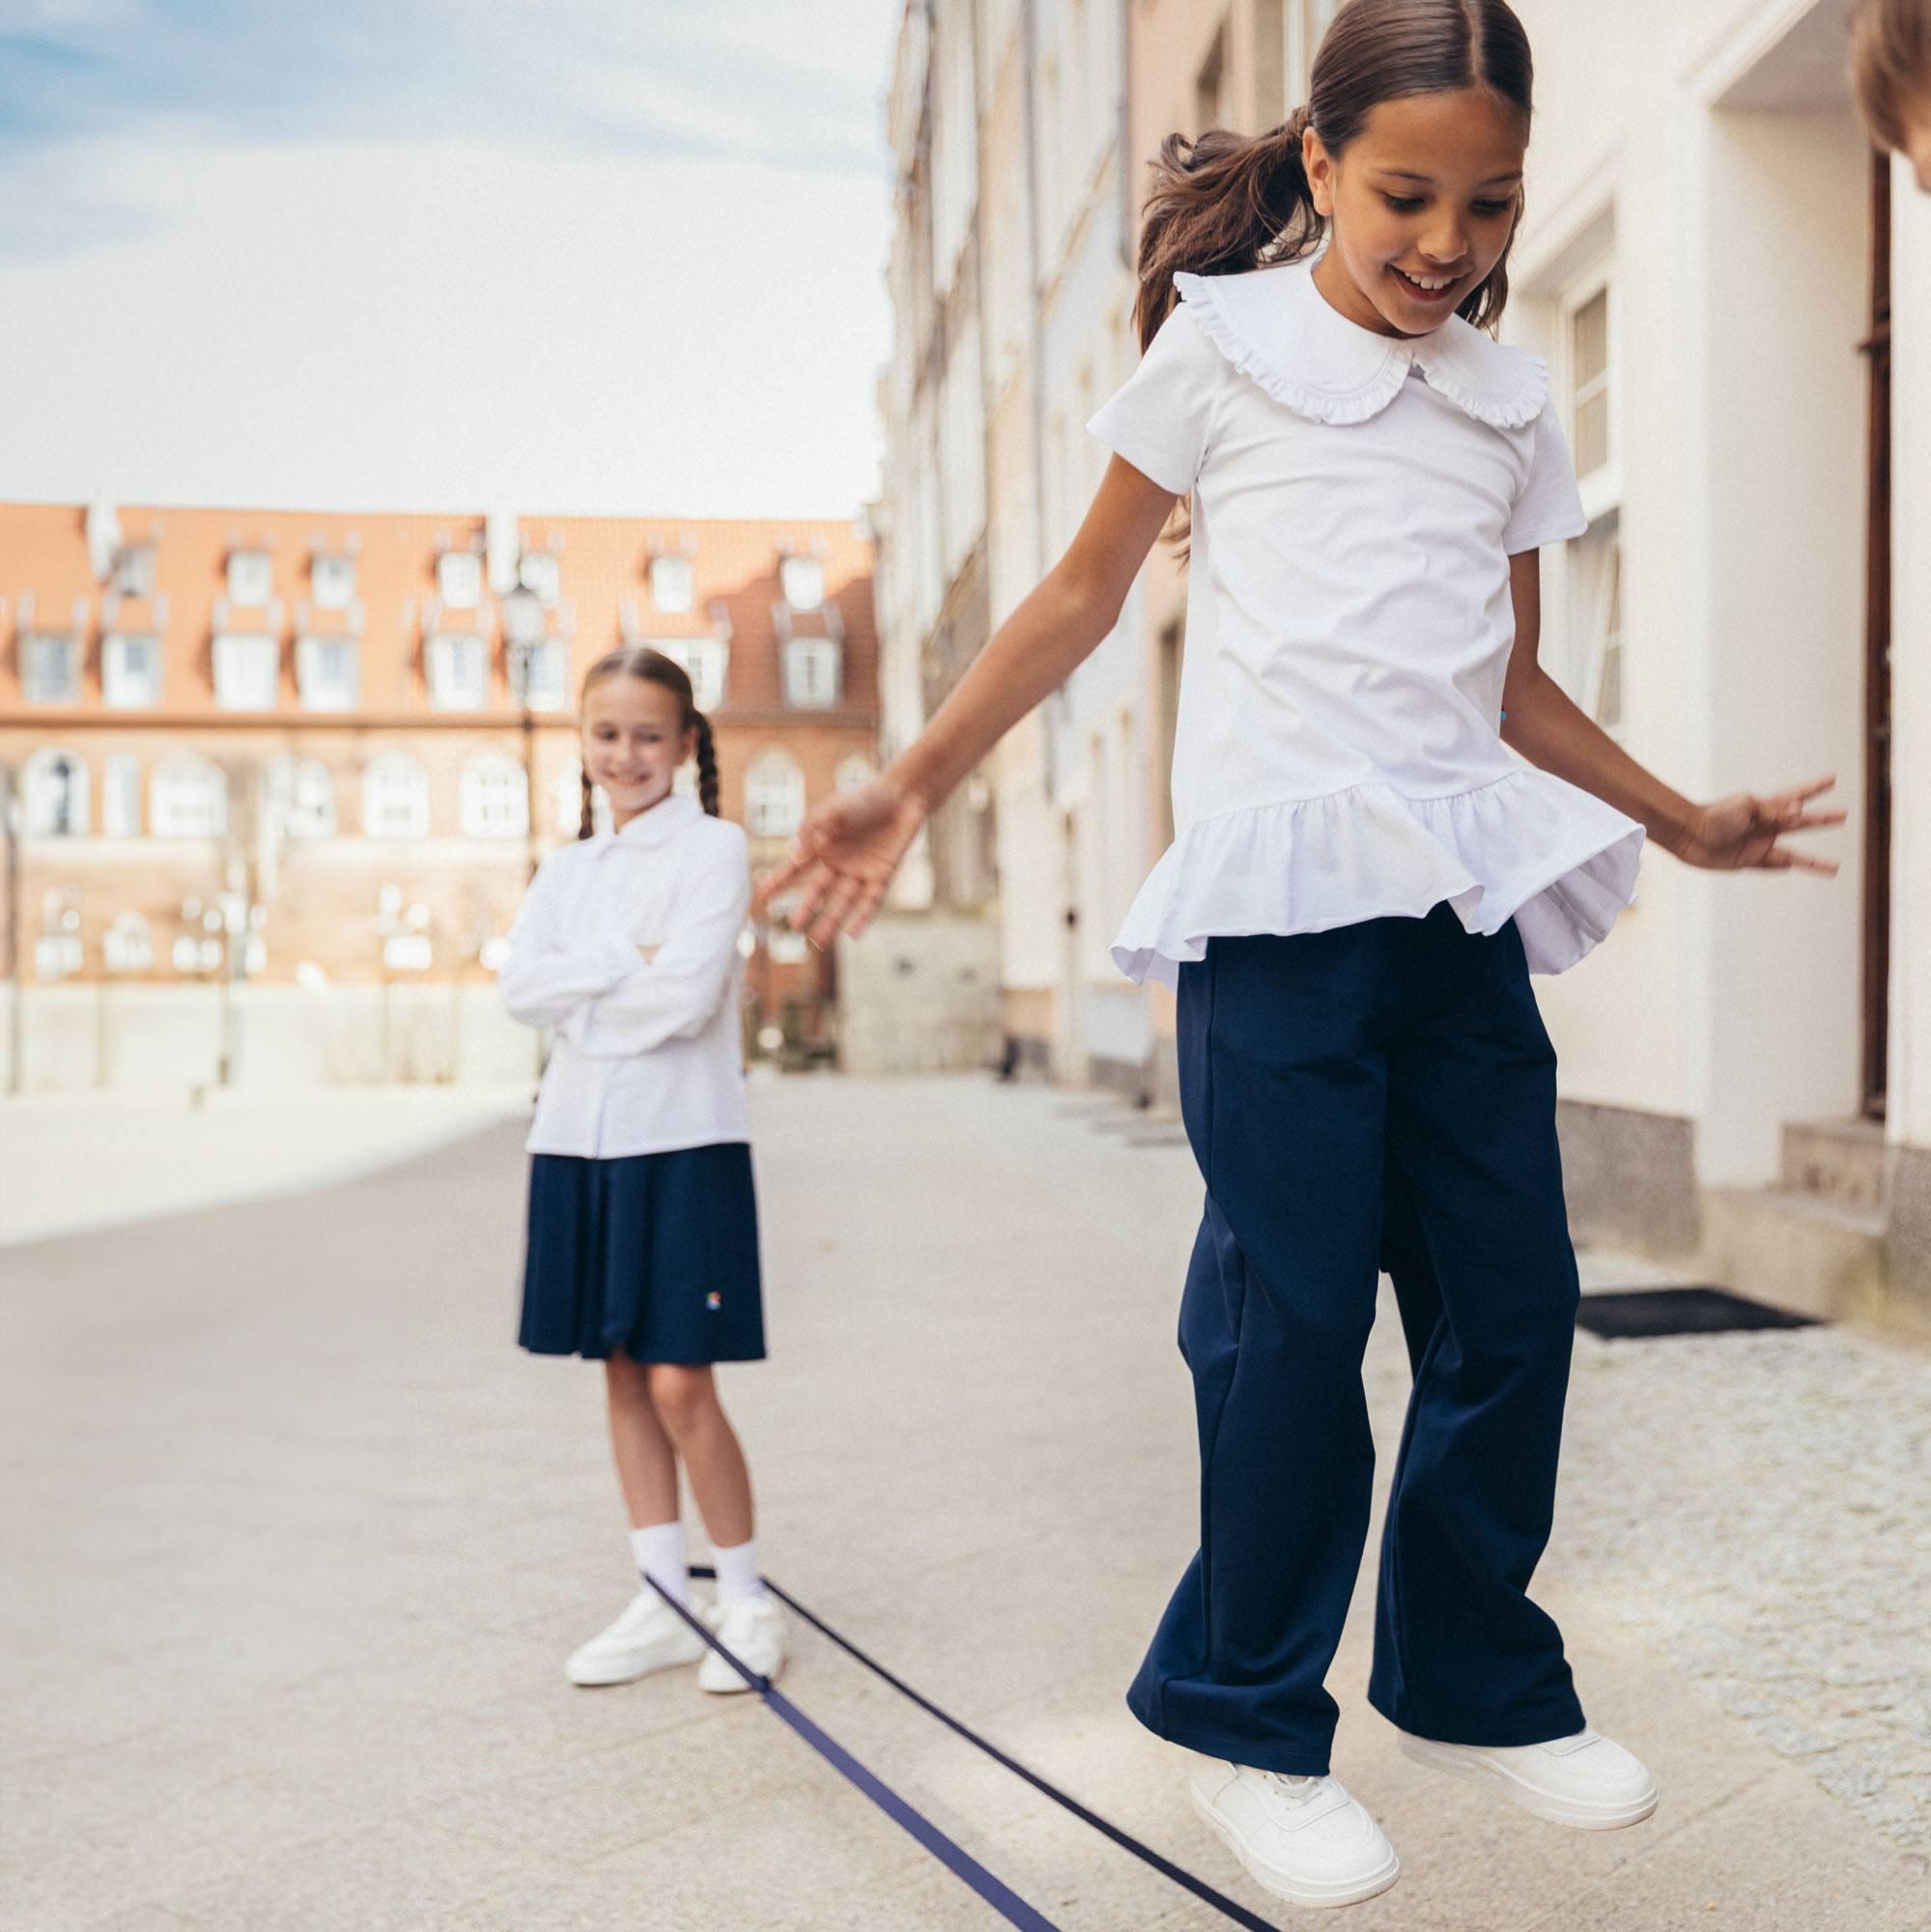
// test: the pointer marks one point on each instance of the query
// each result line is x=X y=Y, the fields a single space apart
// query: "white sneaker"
x=1302 y=1838
x=1586 y=1780
x=750 y=1628
x=650 y=1635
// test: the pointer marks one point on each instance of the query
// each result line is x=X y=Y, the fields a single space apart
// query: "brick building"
x=273 y=756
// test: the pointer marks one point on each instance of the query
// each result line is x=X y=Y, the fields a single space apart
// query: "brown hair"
x=1225 y=203
x=654 y=667
x=1891 y=65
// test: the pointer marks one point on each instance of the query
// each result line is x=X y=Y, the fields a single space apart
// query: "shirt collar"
x=1274 y=326
x=658 y=825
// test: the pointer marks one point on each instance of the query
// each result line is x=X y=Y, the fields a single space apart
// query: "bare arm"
x=1550 y=730
x=848 y=849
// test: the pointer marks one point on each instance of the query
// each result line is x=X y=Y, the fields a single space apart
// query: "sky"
x=574 y=257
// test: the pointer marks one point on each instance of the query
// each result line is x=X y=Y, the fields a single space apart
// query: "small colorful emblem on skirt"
x=714 y=1299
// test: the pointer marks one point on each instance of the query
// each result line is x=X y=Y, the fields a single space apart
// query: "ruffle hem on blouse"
x=1526 y=847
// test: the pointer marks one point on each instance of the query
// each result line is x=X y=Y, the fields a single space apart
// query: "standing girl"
x=642 y=1248
x=1362 y=882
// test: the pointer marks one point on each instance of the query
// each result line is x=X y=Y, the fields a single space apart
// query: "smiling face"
x=633 y=742
x=1421 y=206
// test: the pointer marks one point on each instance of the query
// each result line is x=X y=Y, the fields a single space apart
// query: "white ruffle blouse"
x=645 y=1058
x=1356 y=502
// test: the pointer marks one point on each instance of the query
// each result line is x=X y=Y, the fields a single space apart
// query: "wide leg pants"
x=1382 y=1094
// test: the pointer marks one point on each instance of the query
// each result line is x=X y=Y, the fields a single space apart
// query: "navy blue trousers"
x=1382 y=1096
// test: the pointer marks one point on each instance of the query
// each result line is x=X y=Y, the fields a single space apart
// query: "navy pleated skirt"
x=654 y=1254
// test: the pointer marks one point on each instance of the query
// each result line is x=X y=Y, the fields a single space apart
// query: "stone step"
x=1795 y=1250
x=1845 y=1162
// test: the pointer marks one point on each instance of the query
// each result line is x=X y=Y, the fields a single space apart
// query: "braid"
x=587 y=825
x=707 y=763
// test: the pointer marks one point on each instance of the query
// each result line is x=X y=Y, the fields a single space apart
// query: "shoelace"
x=1296 y=1790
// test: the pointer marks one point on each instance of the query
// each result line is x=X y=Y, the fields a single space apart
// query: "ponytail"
x=707 y=763
x=1225 y=203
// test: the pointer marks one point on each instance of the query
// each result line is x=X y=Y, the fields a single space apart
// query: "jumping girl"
x=642 y=1247
x=1362 y=882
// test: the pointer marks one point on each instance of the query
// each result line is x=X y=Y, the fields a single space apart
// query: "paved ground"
x=296 y=1542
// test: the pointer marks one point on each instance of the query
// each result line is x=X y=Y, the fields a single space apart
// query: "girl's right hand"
x=844 y=855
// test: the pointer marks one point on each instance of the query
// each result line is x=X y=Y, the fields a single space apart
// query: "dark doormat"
x=1635 y=1313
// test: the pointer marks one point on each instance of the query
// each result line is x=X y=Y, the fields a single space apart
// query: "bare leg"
x=646 y=1461
x=686 y=1406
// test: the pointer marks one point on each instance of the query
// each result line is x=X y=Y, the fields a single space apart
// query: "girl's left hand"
x=1737 y=834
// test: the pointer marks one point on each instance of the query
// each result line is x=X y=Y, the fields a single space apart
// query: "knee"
x=683 y=1397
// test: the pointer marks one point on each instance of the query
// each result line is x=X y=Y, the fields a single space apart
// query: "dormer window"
x=130 y=671
x=541 y=575
x=671 y=585
x=252 y=579
x=459 y=672
x=811 y=672
x=331 y=582
x=134 y=571
x=248 y=671
x=459 y=578
x=49 y=668
x=803 y=582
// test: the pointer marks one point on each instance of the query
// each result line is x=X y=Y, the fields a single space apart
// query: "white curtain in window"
x=496 y=798
x=395 y=798
x=774 y=795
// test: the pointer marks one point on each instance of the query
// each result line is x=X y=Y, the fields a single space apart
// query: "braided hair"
x=655 y=668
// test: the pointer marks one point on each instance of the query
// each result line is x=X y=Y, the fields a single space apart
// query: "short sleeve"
x=1159 y=419
x=1550 y=508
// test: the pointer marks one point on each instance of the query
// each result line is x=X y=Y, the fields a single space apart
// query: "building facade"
x=280 y=778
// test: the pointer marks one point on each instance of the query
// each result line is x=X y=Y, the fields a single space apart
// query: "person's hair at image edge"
x=1225 y=203
x=1891 y=65
x=654 y=667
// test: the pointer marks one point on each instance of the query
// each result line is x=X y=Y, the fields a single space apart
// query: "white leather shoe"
x=1586 y=1780
x=751 y=1627
x=650 y=1635
x=1302 y=1838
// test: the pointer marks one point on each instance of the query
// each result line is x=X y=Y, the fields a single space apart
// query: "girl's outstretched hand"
x=844 y=855
x=1738 y=833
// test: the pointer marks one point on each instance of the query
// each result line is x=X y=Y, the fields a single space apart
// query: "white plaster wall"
x=1910 y=1097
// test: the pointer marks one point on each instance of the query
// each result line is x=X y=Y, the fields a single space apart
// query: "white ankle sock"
x=737 y=1571
x=659 y=1552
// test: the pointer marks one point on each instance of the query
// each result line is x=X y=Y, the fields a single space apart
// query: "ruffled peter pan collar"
x=1275 y=326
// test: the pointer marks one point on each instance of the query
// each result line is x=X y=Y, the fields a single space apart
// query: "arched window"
x=854 y=770
x=496 y=798
x=127 y=946
x=56 y=795
x=302 y=793
x=188 y=799
x=395 y=798
x=774 y=792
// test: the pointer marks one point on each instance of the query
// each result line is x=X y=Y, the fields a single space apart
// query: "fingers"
x=804 y=853
x=839 y=904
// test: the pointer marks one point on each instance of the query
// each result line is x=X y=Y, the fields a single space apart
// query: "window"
x=134 y=571
x=130 y=670
x=252 y=579
x=55 y=785
x=49 y=668
x=121 y=797
x=331 y=582
x=1595 y=658
x=188 y=799
x=803 y=582
x=127 y=946
x=459 y=578
x=707 y=659
x=301 y=795
x=459 y=673
x=1589 y=382
x=496 y=798
x=811 y=672
x=540 y=574
x=671 y=586
x=395 y=798
x=248 y=671
x=854 y=770
x=774 y=795
x=327 y=673
x=540 y=674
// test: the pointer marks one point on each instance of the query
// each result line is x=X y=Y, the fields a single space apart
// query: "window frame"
x=485 y=774
x=438 y=646
x=326 y=563
x=676 y=561
x=1601 y=488
x=114 y=672
x=163 y=812
x=801 y=651
x=269 y=652
x=76 y=795
x=308 y=683
x=243 y=561
x=37 y=642
x=758 y=803
x=395 y=765
x=788 y=567
x=467 y=562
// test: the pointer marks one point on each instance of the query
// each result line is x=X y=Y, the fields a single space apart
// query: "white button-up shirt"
x=645 y=1057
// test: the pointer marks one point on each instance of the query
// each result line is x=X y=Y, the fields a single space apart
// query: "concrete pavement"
x=297 y=1542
